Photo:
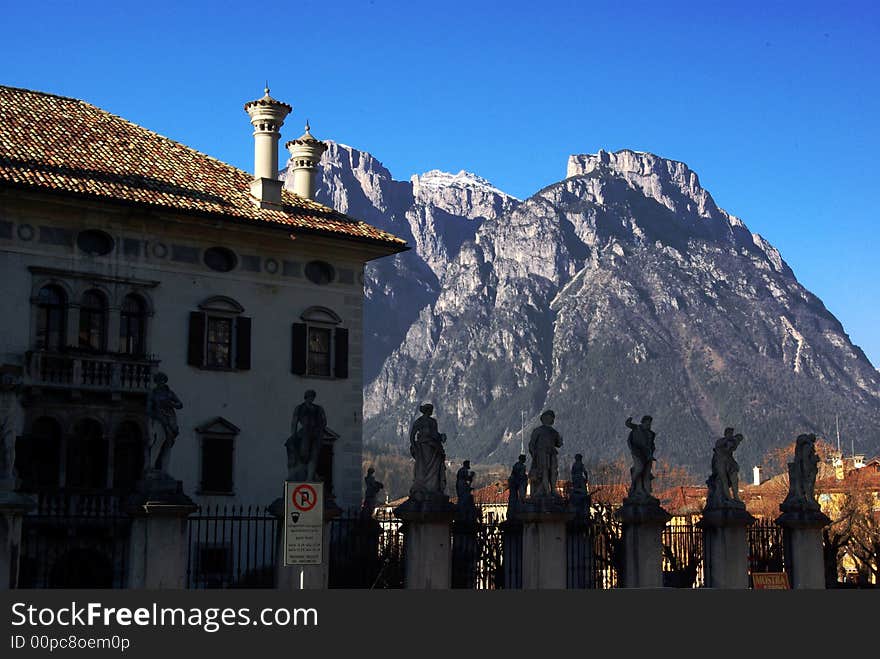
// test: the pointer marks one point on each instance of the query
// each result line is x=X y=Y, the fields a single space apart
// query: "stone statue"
x=162 y=406
x=544 y=447
x=516 y=484
x=10 y=387
x=371 y=493
x=426 y=447
x=466 y=508
x=802 y=477
x=579 y=493
x=641 y=445
x=307 y=428
x=723 y=484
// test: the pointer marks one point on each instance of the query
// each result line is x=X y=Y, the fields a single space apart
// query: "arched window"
x=87 y=456
x=51 y=318
x=132 y=325
x=93 y=321
x=38 y=456
x=128 y=456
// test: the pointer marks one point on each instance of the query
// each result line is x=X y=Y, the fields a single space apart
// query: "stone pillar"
x=802 y=540
x=427 y=542
x=643 y=523
x=726 y=547
x=159 y=544
x=13 y=507
x=544 y=521
x=304 y=577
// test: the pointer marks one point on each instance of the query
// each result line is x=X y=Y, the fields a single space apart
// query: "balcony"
x=113 y=373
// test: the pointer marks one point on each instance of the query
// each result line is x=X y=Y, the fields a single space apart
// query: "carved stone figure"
x=516 y=484
x=466 y=508
x=579 y=494
x=9 y=389
x=371 y=493
x=307 y=428
x=802 y=476
x=426 y=447
x=723 y=484
x=162 y=406
x=544 y=447
x=641 y=445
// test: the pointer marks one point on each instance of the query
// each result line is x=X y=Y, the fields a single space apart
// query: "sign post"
x=303 y=523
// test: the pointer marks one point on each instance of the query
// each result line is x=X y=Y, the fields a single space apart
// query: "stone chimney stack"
x=267 y=116
x=305 y=154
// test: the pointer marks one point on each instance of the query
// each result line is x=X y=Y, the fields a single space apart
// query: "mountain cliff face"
x=620 y=291
x=435 y=212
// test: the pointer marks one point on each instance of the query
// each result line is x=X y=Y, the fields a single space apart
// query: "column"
x=159 y=544
x=427 y=542
x=802 y=540
x=643 y=523
x=726 y=547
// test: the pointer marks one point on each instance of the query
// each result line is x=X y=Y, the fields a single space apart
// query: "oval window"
x=220 y=259
x=94 y=242
x=320 y=272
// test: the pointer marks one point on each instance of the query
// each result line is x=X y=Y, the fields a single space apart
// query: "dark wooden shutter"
x=243 y=343
x=196 y=349
x=299 y=349
x=340 y=347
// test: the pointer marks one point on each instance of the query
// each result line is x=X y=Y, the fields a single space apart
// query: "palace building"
x=126 y=254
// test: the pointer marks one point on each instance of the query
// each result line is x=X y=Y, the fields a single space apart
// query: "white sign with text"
x=303 y=523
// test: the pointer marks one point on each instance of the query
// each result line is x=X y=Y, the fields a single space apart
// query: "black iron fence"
x=683 y=564
x=232 y=547
x=75 y=540
x=366 y=553
x=766 y=547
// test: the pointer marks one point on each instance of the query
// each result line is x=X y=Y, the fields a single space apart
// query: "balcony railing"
x=95 y=372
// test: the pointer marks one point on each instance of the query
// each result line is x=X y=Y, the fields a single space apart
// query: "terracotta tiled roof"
x=65 y=145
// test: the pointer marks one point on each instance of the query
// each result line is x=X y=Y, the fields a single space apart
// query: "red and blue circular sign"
x=304 y=497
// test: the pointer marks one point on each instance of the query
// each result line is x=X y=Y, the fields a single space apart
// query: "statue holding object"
x=162 y=406
x=307 y=429
x=426 y=447
x=723 y=484
x=544 y=447
x=802 y=475
x=641 y=445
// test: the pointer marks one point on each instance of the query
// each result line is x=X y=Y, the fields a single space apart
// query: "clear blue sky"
x=774 y=105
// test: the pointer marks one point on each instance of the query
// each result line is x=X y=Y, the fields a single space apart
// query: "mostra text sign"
x=303 y=523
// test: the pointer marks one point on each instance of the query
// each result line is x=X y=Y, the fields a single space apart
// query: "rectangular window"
x=217 y=464
x=219 y=352
x=319 y=351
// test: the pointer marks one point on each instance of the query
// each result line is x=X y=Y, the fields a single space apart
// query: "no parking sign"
x=303 y=523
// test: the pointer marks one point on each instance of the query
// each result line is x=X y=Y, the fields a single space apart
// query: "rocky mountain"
x=619 y=291
x=435 y=212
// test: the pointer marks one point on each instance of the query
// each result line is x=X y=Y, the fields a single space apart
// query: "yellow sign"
x=770 y=581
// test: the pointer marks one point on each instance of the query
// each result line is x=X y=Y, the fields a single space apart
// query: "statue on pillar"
x=516 y=484
x=579 y=493
x=371 y=493
x=723 y=484
x=641 y=445
x=466 y=508
x=544 y=447
x=307 y=429
x=802 y=477
x=426 y=447
x=162 y=406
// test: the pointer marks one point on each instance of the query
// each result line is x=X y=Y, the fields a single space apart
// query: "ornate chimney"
x=267 y=116
x=305 y=153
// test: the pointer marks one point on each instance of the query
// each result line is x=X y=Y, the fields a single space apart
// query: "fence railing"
x=683 y=562
x=366 y=553
x=75 y=541
x=117 y=373
x=766 y=547
x=232 y=547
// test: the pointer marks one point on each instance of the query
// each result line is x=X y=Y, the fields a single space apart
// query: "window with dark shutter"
x=243 y=343
x=299 y=349
x=196 y=348
x=340 y=341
